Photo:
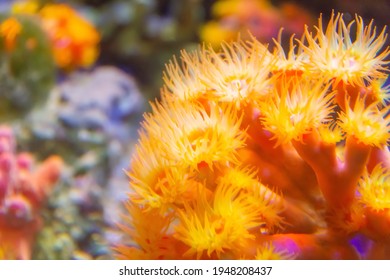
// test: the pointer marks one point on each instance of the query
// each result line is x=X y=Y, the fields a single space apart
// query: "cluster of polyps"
x=258 y=154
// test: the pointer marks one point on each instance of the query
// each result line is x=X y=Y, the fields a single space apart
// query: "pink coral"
x=23 y=191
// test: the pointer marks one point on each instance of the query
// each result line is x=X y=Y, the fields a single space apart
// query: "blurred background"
x=75 y=79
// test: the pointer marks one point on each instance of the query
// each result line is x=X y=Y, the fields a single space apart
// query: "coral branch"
x=337 y=179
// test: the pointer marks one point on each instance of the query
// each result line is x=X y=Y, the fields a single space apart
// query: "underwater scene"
x=194 y=130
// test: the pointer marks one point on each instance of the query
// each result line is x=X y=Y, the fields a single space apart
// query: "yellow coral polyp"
x=236 y=68
x=189 y=135
x=181 y=81
x=205 y=234
x=223 y=226
x=268 y=204
x=243 y=178
x=374 y=188
x=294 y=61
x=145 y=241
x=353 y=59
x=331 y=133
x=379 y=91
x=368 y=124
x=270 y=252
x=232 y=203
x=295 y=109
x=156 y=182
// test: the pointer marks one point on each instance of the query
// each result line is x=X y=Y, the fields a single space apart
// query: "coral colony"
x=23 y=191
x=258 y=154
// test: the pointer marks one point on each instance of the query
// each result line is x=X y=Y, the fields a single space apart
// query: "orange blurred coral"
x=75 y=41
x=9 y=31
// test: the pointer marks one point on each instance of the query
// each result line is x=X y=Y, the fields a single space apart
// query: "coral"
x=23 y=191
x=254 y=154
x=232 y=18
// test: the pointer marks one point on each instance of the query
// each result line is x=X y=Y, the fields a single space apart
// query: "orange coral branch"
x=337 y=179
